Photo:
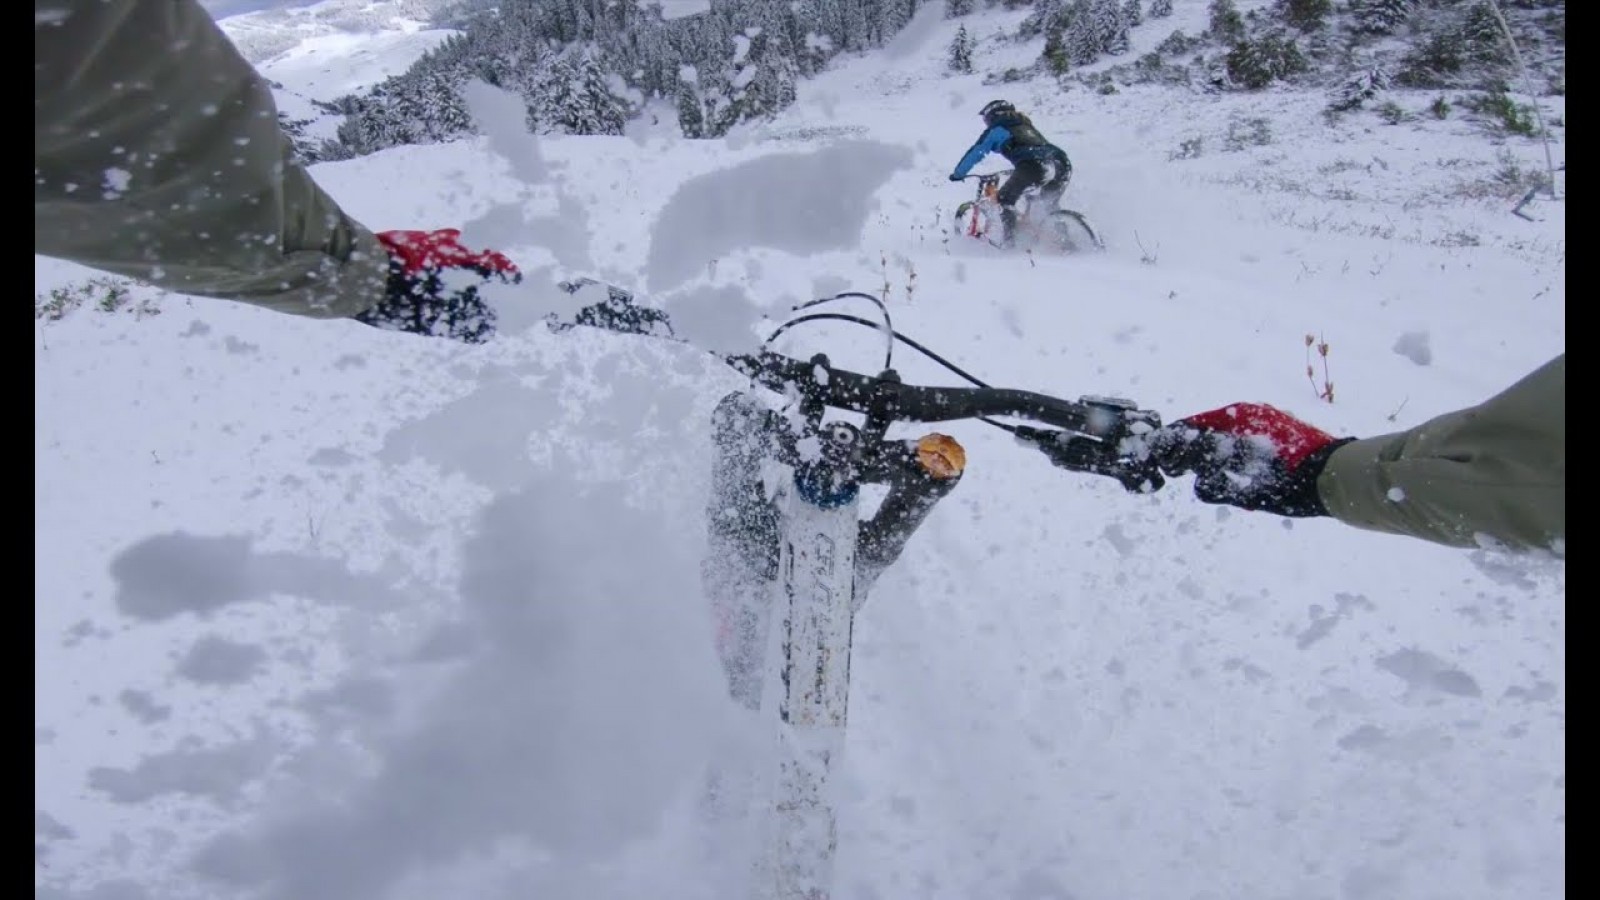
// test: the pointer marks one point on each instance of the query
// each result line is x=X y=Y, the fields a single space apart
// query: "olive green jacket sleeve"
x=158 y=155
x=1497 y=470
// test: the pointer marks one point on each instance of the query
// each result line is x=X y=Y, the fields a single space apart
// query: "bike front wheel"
x=971 y=220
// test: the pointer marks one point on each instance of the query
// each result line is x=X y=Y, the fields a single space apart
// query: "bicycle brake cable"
x=844 y=317
x=888 y=325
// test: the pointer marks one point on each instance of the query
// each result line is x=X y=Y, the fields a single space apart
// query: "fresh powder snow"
x=324 y=612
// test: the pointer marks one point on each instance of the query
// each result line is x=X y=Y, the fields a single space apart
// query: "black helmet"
x=995 y=108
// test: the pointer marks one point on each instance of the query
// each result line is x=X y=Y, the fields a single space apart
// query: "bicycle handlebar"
x=1098 y=435
x=852 y=391
x=1094 y=431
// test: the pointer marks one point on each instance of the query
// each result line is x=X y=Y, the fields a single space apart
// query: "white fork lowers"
x=807 y=680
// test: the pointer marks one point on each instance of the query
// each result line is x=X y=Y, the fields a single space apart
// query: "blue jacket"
x=997 y=138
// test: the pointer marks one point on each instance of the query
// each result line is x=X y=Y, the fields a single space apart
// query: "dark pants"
x=1050 y=175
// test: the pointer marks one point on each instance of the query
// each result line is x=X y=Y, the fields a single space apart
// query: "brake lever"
x=1115 y=445
x=1096 y=456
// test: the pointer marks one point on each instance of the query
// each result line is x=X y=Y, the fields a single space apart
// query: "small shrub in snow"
x=1056 y=58
x=1481 y=35
x=1304 y=15
x=1513 y=178
x=1458 y=238
x=1324 y=390
x=1243 y=133
x=1432 y=61
x=1380 y=16
x=102 y=294
x=1359 y=89
x=1505 y=113
x=1152 y=68
x=1254 y=64
x=1188 y=148
x=1177 y=43
x=1224 y=22
x=691 y=115
x=960 y=59
x=1108 y=23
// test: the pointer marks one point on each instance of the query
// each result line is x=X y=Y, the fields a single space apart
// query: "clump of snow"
x=741 y=45
x=719 y=319
x=801 y=203
x=914 y=38
x=1414 y=345
x=502 y=118
x=563 y=586
x=657 y=124
x=679 y=9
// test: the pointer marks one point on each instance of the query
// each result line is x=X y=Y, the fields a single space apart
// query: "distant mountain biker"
x=1034 y=160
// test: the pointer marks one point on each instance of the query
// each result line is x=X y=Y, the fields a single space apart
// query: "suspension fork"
x=800 y=566
x=984 y=200
x=745 y=521
x=827 y=561
x=807 y=661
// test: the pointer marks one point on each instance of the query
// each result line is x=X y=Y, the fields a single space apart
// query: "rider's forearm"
x=988 y=143
x=1497 y=470
x=158 y=156
x=968 y=161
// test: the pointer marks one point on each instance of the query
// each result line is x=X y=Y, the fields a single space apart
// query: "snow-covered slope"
x=332 y=49
x=267 y=35
x=325 y=612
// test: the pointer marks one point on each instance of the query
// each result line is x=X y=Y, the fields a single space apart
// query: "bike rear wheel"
x=1071 y=232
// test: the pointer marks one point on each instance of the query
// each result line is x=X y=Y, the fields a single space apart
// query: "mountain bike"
x=788 y=569
x=1058 y=230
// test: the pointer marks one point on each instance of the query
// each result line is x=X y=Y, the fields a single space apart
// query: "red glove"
x=420 y=251
x=417 y=300
x=1252 y=456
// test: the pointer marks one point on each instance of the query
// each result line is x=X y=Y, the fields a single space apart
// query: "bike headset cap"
x=995 y=108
